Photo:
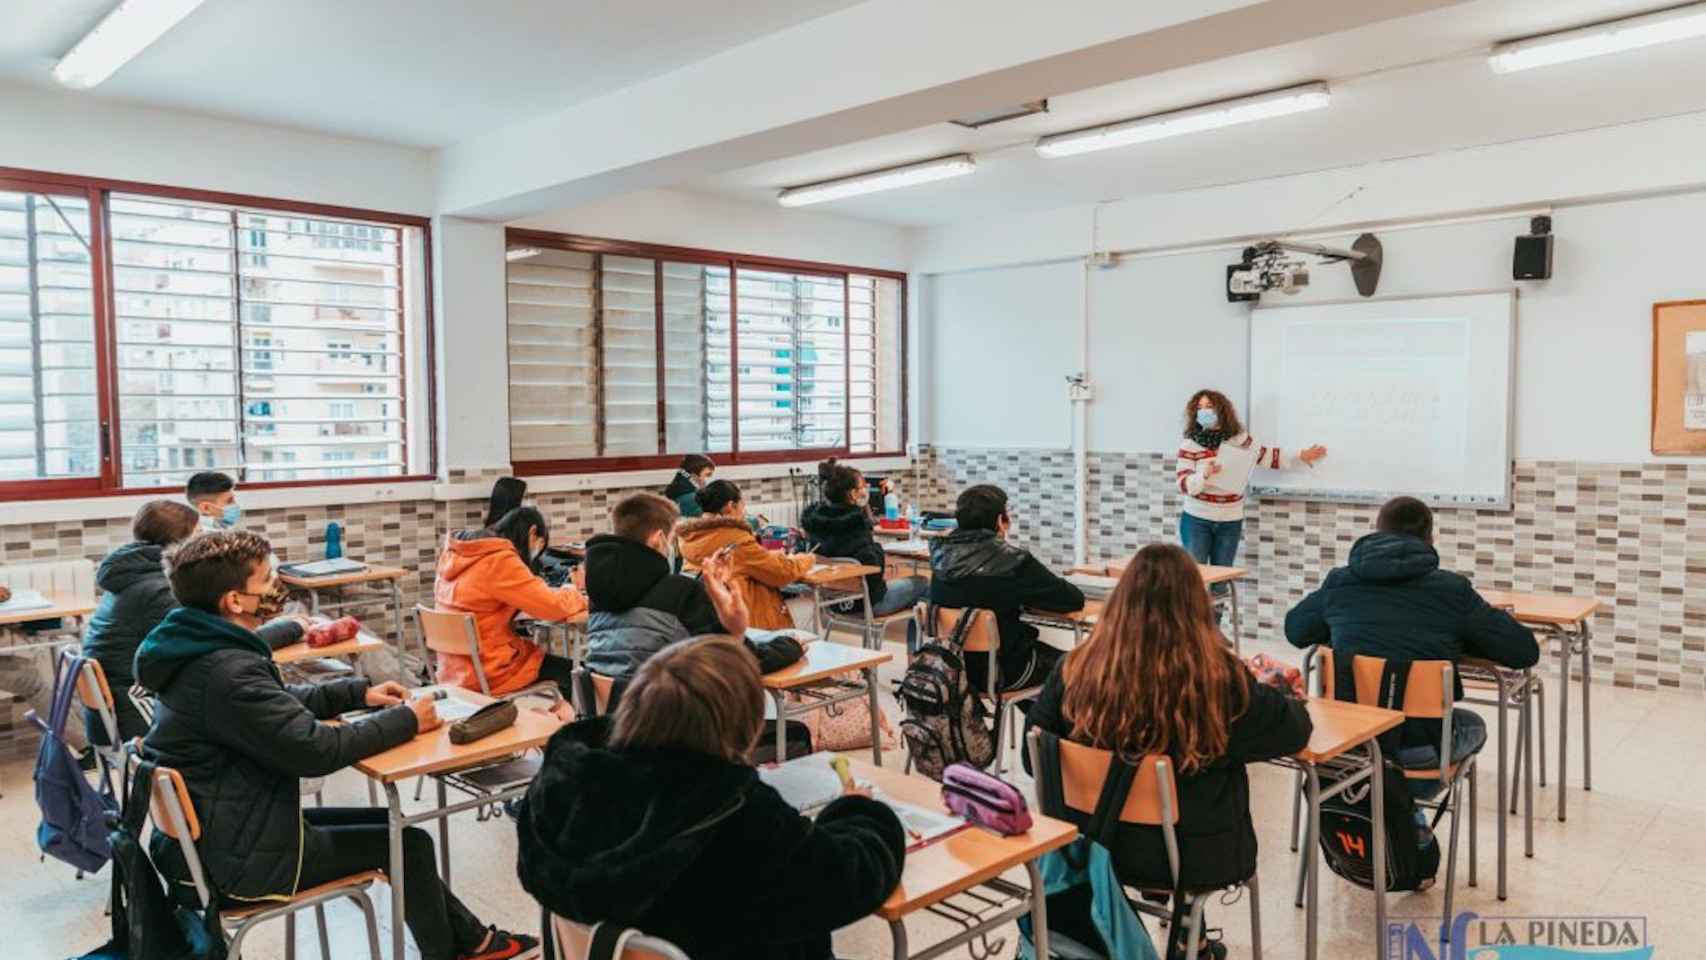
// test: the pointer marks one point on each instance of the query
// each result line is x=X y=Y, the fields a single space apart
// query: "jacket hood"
x=465 y=550
x=603 y=832
x=974 y=553
x=1392 y=558
x=825 y=519
x=703 y=536
x=128 y=564
x=185 y=635
x=620 y=572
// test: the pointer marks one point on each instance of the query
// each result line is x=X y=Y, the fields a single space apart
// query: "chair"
x=1152 y=800
x=97 y=696
x=1428 y=695
x=571 y=941
x=835 y=610
x=174 y=815
x=592 y=692
x=143 y=700
x=984 y=636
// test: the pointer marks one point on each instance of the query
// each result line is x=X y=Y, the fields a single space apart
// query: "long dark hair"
x=1229 y=424
x=1153 y=677
x=515 y=525
x=506 y=496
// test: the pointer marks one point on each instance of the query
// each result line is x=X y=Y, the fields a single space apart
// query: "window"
x=632 y=356
x=225 y=336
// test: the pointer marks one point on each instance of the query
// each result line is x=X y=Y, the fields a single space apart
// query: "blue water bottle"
x=334 y=541
x=891 y=505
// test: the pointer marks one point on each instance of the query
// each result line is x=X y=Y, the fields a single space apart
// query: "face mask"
x=1207 y=419
x=231 y=515
x=271 y=603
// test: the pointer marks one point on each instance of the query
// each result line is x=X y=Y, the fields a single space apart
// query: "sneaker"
x=505 y=946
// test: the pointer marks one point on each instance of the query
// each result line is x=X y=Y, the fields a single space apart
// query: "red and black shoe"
x=502 y=945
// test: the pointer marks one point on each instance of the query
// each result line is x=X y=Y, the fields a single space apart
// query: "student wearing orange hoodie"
x=489 y=573
x=759 y=573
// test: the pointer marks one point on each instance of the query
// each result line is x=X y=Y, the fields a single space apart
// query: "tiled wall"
x=1616 y=531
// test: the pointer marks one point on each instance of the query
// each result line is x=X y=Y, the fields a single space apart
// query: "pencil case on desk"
x=482 y=723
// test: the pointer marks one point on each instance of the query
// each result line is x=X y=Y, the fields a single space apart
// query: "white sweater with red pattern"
x=1205 y=500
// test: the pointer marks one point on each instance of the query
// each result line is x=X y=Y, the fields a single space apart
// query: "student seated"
x=1393 y=601
x=214 y=496
x=975 y=567
x=507 y=493
x=695 y=473
x=840 y=526
x=490 y=574
x=1156 y=677
x=135 y=598
x=758 y=573
x=242 y=739
x=655 y=819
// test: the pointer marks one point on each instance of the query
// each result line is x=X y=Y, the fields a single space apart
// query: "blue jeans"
x=1214 y=542
x=1468 y=736
x=901 y=595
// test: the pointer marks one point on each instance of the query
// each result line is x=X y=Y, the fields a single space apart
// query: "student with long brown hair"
x=1156 y=677
x=655 y=819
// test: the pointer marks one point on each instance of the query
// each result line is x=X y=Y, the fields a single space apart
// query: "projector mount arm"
x=1364 y=254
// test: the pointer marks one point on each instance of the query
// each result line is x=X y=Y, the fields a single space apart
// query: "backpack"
x=1347 y=821
x=943 y=722
x=75 y=815
x=146 y=924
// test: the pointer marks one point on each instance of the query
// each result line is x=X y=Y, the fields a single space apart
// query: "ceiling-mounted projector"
x=1267 y=266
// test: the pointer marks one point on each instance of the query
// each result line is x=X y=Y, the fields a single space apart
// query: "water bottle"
x=891 y=505
x=334 y=541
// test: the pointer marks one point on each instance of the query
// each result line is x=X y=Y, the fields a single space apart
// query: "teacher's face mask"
x=1207 y=418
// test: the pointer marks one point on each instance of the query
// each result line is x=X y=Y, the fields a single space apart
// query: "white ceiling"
x=1405 y=87
x=416 y=72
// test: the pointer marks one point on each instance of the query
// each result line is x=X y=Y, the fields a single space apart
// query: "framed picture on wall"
x=1679 y=377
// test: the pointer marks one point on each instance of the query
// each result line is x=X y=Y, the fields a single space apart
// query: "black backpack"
x=1347 y=821
x=943 y=722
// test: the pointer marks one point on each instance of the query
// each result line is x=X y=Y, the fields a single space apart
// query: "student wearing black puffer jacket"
x=655 y=819
x=242 y=739
x=839 y=526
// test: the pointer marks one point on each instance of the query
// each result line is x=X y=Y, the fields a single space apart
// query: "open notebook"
x=809 y=784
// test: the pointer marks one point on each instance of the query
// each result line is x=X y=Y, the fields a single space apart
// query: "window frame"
x=734 y=263
x=98 y=191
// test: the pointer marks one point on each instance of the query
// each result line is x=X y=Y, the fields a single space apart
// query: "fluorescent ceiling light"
x=520 y=253
x=1678 y=23
x=1278 y=103
x=940 y=168
x=121 y=35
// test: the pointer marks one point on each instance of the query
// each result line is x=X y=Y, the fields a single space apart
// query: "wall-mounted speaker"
x=1533 y=257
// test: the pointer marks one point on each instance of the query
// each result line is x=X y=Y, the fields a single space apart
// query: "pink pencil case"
x=985 y=799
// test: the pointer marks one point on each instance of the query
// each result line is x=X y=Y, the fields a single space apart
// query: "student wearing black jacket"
x=695 y=472
x=242 y=739
x=975 y=567
x=1156 y=678
x=1394 y=601
x=840 y=526
x=655 y=819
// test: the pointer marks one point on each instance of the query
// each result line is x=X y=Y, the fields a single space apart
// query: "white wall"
x=473 y=390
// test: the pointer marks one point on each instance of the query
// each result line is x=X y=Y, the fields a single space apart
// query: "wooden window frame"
x=99 y=190
x=734 y=262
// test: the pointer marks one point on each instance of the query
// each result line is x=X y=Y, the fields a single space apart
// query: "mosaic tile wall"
x=1617 y=531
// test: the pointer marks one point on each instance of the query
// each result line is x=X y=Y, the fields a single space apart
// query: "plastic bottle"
x=891 y=505
x=334 y=541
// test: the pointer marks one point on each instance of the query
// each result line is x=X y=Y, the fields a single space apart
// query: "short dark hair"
x=163 y=522
x=204 y=568
x=515 y=525
x=716 y=495
x=207 y=485
x=1408 y=516
x=696 y=463
x=643 y=514
x=506 y=496
x=980 y=507
x=840 y=482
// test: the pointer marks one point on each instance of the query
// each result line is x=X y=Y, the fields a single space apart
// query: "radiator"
x=782 y=512
x=67 y=580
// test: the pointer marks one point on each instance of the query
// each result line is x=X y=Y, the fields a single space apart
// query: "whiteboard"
x=1408 y=396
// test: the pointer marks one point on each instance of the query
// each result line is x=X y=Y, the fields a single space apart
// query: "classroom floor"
x=1632 y=847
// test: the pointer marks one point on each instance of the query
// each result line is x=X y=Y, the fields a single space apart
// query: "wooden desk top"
x=61 y=608
x=961 y=860
x=1092 y=609
x=905 y=534
x=432 y=752
x=300 y=650
x=369 y=575
x=827 y=573
x=908 y=549
x=1210 y=574
x=822 y=661
x=1341 y=726
x=1542 y=608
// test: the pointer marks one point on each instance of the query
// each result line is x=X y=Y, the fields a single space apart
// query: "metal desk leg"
x=1563 y=641
x=876 y=730
x=397 y=624
x=1237 y=619
x=1586 y=636
x=313 y=601
x=1039 y=909
x=1534 y=720
x=781 y=727
x=394 y=875
x=1377 y=790
x=443 y=834
x=1312 y=869
x=1504 y=708
x=897 y=934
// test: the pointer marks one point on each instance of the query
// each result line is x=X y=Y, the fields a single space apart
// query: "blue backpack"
x=75 y=816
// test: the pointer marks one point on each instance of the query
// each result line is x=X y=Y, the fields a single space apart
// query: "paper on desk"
x=24 y=600
x=452 y=709
x=922 y=825
x=1236 y=463
x=806 y=783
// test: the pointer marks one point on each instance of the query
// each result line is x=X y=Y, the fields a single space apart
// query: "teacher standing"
x=1213 y=519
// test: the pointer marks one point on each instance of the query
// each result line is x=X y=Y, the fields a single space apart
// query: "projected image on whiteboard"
x=1411 y=396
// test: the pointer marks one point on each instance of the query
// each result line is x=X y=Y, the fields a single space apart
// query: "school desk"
x=1568 y=622
x=824 y=668
x=1518 y=689
x=432 y=753
x=1211 y=575
x=956 y=864
x=1345 y=743
x=62 y=608
x=909 y=557
x=385 y=579
x=299 y=651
